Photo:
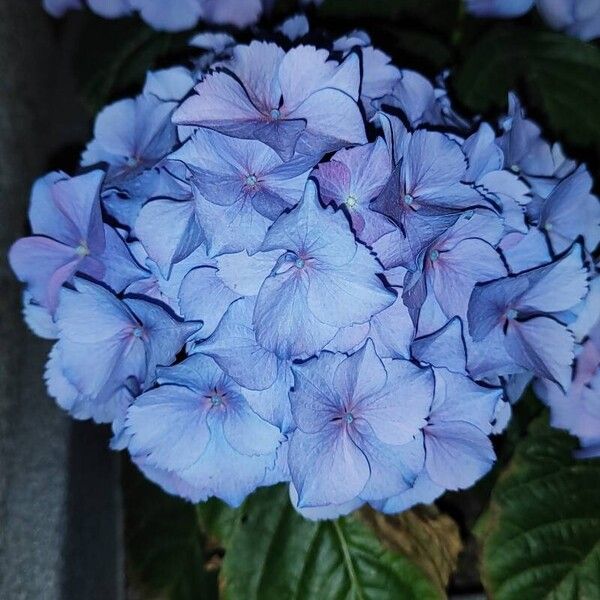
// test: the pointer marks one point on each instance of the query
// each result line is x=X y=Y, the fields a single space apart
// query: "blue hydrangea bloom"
x=131 y=135
x=174 y=15
x=521 y=310
x=198 y=424
x=68 y=236
x=269 y=278
x=57 y=8
x=104 y=342
x=578 y=18
x=359 y=421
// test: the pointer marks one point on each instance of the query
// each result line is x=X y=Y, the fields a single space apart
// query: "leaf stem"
x=348 y=560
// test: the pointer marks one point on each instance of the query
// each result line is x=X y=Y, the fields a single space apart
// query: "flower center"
x=138 y=332
x=299 y=263
x=351 y=201
x=251 y=180
x=511 y=313
x=434 y=255
x=216 y=400
x=548 y=227
x=348 y=417
x=408 y=199
x=132 y=161
x=82 y=249
x=275 y=114
x=515 y=168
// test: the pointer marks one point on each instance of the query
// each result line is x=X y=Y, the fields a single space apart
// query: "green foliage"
x=273 y=553
x=541 y=535
x=165 y=546
x=114 y=56
x=558 y=74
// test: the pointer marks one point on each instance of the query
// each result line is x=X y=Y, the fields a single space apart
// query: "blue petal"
x=327 y=467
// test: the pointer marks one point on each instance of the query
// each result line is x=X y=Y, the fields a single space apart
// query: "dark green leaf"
x=273 y=553
x=541 y=536
x=114 y=57
x=165 y=546
x=559 y=75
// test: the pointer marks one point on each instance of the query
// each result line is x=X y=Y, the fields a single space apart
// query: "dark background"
x=60 y=525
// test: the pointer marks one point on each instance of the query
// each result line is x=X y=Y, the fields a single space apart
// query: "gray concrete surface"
x=59 y=495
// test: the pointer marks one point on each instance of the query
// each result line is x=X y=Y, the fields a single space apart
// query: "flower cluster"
x=578 y=18
x=172 y=15
x=303 y=265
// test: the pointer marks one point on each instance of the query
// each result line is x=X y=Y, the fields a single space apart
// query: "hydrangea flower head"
x=268 y=277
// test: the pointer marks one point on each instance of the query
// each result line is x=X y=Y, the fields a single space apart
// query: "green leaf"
x=114 y=57
x=559 y=75
x=165 y=547
x=541 y=536
x=274 y=553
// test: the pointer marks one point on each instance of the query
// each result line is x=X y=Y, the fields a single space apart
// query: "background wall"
x=59 y=499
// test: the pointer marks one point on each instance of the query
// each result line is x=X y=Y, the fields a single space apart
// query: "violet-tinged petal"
x=294 y=28
x=273 y=404
x=423 y=491
x=204 y=297
x=459 y=398
x=166 y=246
x=163 y=334
x=169 y=84
x=327 y=467
x=235 y=348
x=57 y=8
x=169 y=425
x=220 y=222
x=443 y=348
x=44 y=265
x=342 y=295
x=38 y=318
x=483 y=155
x=543 y=346
x=220 y=101
x=392 y=330
x=283 y=320
x=556 y=287
x=327 y=512
x=457 y=454
x=398 y=410
x=111 y=8
x=455 y=272
x=394 y=468
x=572 y=211
x=524 y=252
x=360 y=376
x=248 y=433
x=230 y=12
x=68 y=209
x=314 y=400
x=176 y=15
x=225 y=473
x=244 y=274
x=579 y=18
